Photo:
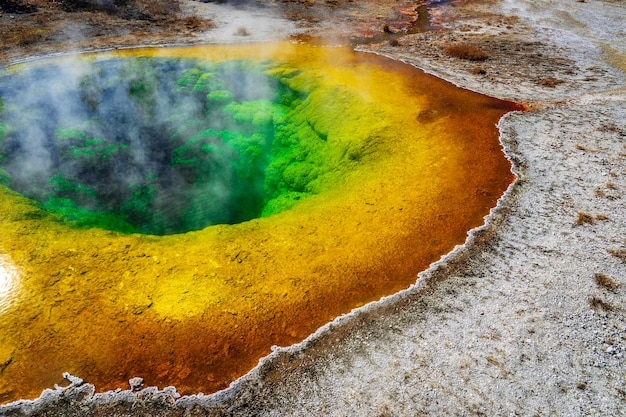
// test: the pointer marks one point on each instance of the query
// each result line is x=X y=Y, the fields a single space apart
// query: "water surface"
x=384 y=168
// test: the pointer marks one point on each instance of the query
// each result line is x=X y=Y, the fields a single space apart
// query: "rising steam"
x=155 y=146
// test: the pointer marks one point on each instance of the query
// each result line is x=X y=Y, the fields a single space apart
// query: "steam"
x=140 y=145
x=238 y=21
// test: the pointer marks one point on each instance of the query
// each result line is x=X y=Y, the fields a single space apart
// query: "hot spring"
x=173 y=213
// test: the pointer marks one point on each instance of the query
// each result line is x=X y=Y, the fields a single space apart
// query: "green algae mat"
x=173 y=213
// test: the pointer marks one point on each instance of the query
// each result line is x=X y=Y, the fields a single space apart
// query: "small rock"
x=135 y=383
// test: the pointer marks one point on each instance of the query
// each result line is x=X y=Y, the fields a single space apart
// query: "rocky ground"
x=527 y=318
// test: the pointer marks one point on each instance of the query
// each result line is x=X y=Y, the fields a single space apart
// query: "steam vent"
x=173 y=213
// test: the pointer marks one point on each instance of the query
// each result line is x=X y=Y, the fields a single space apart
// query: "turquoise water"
x=156 y=145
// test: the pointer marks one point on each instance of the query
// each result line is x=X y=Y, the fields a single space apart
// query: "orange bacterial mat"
x=418 y=164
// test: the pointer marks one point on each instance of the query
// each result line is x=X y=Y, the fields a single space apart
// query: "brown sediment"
x=200 y=309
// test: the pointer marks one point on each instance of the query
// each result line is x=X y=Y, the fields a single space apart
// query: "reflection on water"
x=9 y=280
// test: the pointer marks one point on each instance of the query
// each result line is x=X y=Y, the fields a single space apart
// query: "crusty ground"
x=527 y=318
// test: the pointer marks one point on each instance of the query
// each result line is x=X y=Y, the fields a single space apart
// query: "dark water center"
x=153 y=145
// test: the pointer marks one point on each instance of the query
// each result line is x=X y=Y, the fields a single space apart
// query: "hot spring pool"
x=173 y=213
